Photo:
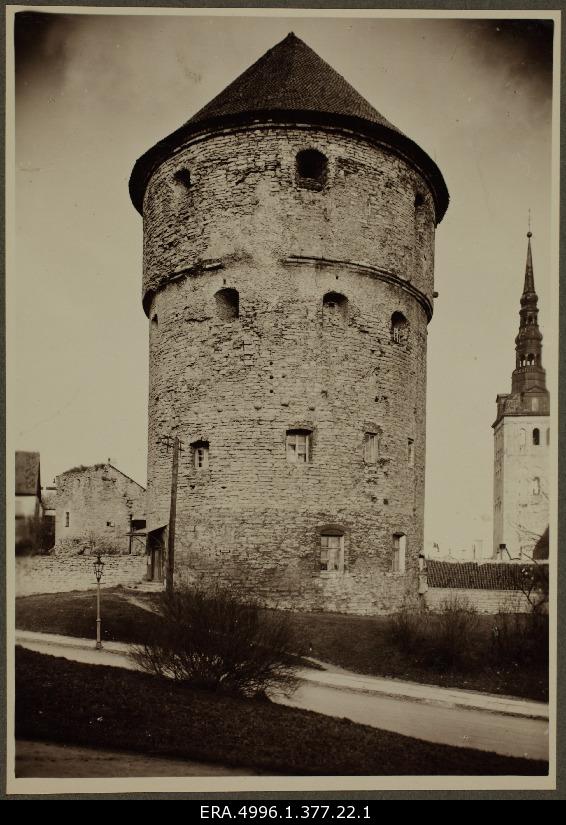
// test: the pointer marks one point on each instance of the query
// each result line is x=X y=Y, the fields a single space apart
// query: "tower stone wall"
x=333 y=278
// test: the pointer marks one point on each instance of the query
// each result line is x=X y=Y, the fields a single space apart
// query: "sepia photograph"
x=282 y=376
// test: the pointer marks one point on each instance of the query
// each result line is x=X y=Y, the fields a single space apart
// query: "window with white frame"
x=331 y=552
x=299 y=446
x=399 y=552
x=200 y=454
x=371 y=447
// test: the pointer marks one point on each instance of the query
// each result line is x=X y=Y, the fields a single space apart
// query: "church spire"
x=529 y=287
x=529 y=373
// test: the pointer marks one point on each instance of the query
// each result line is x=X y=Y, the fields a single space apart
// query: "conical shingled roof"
x=291 y=83
x=290 y=77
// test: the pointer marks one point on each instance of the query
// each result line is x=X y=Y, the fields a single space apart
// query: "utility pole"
x=177 y=448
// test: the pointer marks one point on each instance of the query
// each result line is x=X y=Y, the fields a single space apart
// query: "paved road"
x=47 y=760
x=464 y=727
x=507 y=726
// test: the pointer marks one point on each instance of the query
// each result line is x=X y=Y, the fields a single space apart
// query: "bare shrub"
x=519 y=639
x=405 y=630
x=451 y=633
x=215 y=640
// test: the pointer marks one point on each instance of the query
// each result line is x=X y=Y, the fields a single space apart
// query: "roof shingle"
x=474 y=576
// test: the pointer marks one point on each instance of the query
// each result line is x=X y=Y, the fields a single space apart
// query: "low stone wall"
x=484 y=601
x=57 y=574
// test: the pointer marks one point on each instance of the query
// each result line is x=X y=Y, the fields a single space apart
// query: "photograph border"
x=266 y=788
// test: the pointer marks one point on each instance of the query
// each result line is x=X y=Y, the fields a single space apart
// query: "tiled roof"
x=27 y=473
x=474 y=576
x=290 y=83
x=290 y=77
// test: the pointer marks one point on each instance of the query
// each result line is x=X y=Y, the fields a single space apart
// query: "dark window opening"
x=312 y=169
x=227 y=304
x=183 y=177
x=399 y=328
x=536 y=436
x=335 y=306
x=67 y=518
x=419 y=200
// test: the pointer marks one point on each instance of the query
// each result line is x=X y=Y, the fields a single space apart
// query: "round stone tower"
x=288 y=282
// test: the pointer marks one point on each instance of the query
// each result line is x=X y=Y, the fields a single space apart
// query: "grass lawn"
x=62 y=701
x=357 y=643
x=360 y=643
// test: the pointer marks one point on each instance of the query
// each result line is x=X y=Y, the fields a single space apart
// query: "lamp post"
x=98 y=571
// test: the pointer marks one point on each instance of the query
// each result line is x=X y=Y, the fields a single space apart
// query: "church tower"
x=288 y=283
x=521 y=439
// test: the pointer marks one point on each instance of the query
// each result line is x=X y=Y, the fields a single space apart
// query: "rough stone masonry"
x=288 y=281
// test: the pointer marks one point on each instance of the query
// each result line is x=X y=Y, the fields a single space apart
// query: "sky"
x=93 y=92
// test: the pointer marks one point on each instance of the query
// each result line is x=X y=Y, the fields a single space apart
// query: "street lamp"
x=98 y=571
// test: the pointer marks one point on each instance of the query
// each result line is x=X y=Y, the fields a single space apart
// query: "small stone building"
x=288 y=283
x=100 y=505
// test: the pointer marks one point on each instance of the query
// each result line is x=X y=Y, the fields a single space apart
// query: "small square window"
x=110 y=524
x=298 y=446
x=331 y=553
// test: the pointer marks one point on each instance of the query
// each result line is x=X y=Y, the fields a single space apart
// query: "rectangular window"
x=110 y=524
x=201 y=458
x=332 y=553
x=67 y=519
x=371 y=446
x=200 y=454
x=411 y=452
x=399 y=550
x=298 y=447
